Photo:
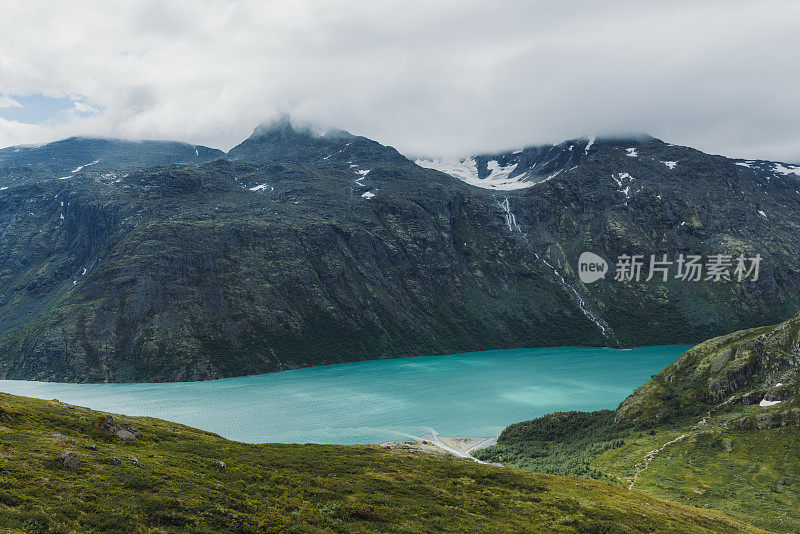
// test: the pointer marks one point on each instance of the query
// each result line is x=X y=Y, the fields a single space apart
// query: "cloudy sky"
x=438 y=78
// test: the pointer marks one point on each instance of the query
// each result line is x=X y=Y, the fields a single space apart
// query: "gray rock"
x=124 y=431
x=422 y=286
x=125 y=435
x=134 y=461
x=115 y=461
x=69 y=460
x=220 y=465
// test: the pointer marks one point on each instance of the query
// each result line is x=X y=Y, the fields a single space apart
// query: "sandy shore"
x=433 y=443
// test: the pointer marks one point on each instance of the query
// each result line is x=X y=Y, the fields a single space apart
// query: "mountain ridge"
x=67 y=157
x=240 y=265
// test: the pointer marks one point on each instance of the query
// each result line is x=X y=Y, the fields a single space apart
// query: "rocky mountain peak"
x=285 y=129
x=287 y=141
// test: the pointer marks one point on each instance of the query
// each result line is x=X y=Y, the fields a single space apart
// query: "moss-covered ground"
x=179 y=486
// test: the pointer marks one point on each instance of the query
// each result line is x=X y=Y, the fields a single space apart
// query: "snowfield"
x=466 y=170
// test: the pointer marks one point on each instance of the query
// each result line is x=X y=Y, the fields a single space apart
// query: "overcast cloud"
x=439 y=78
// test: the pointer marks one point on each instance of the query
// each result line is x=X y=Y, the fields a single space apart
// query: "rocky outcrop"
x=123 y=431
x=765 y=421
x=752 y=368
x=69 y=460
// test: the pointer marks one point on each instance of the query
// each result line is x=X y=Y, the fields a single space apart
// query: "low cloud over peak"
x=442 y=79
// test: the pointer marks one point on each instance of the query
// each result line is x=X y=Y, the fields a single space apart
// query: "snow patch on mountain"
x=588 y=146
x=362 y=173
x=499 y=172
x=467 y=171
x=623 y=181
x=84 y=165
x=784 y=170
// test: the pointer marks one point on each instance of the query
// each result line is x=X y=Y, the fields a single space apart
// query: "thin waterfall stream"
x=514 y=227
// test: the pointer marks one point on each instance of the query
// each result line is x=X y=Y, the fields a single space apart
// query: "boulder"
x=69 y=460
x=125 y=435
x=124 y=431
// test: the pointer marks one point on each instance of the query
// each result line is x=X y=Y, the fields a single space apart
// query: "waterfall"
x=511 y=219
x=514 y=227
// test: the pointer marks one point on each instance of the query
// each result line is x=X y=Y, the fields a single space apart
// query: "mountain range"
x=153 y=261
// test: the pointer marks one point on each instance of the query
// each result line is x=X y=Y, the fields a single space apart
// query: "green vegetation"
x=560 y=443
x=694 y=434
x=170 y=479
x=752 y=474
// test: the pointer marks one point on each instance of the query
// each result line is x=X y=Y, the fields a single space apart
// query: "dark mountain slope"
x=303 y=249
x=231 y=268
x=66 y=158
x=281 y=141
x=613 y=203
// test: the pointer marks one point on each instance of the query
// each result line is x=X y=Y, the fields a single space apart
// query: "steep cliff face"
x=303 y=248
x=232 y=268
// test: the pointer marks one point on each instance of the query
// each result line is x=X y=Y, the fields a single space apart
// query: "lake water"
x=471 y=394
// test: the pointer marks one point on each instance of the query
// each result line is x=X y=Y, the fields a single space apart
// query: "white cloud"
x=82 y=107
x=8 y=102
x=431 y=78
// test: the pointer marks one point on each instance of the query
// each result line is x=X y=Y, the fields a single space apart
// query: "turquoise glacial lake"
x=473 y=394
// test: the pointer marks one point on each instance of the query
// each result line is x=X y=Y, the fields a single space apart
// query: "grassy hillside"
x=718 y=428
x=170 y=479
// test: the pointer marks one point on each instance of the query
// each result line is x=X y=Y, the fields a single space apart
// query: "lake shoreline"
x=378 y=401
x=459 y=447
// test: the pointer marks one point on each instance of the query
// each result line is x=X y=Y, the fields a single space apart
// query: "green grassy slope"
x=715 y=444
x=179 y=486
